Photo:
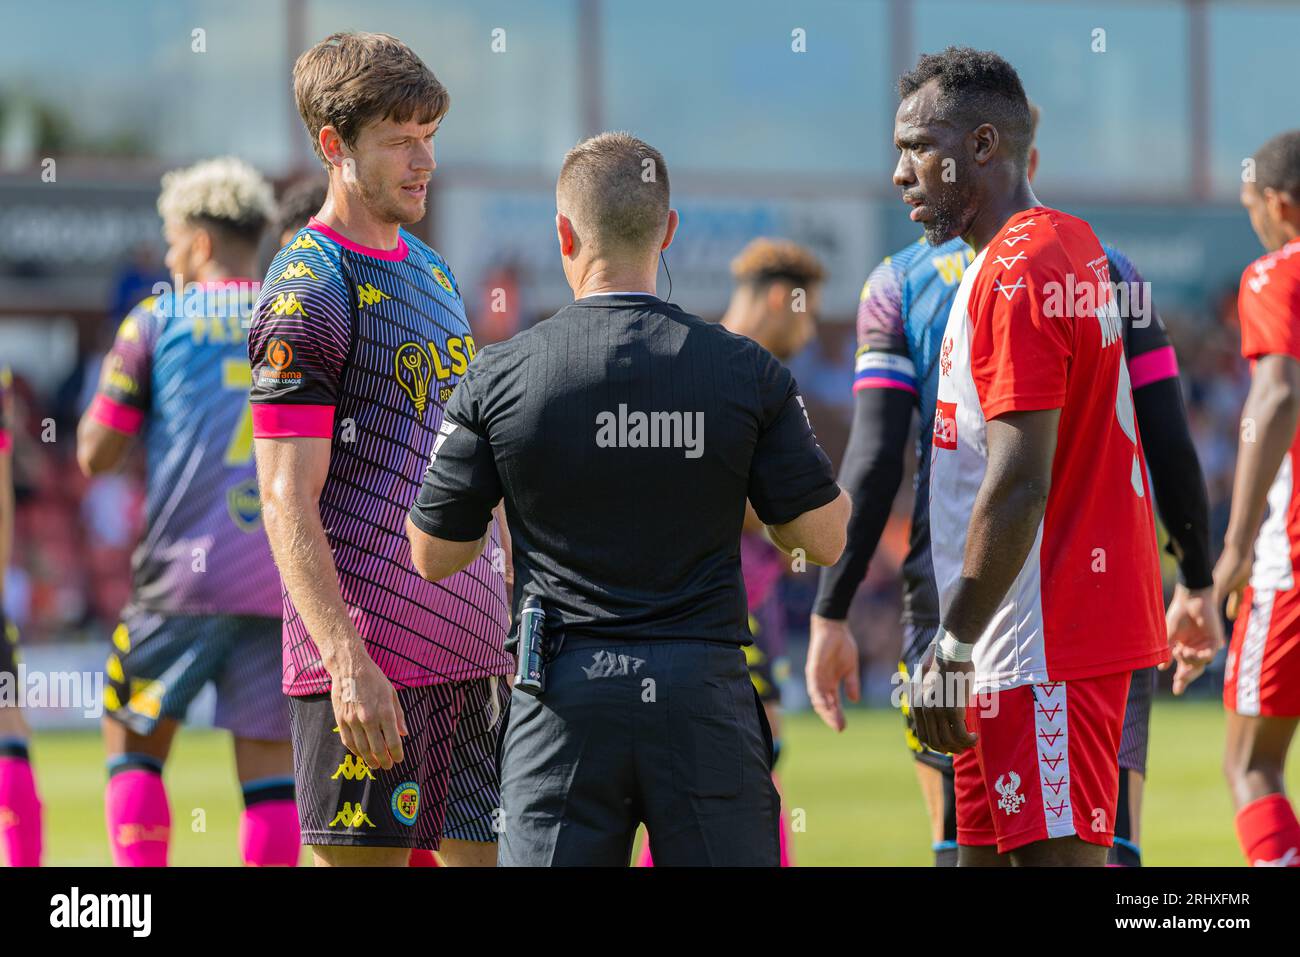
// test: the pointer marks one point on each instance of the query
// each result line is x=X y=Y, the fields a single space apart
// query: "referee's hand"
x=832 y=659
x=370 y=718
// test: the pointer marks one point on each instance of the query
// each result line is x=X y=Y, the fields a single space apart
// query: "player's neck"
x=214 y=272
x=352 y=220
x=994 y=214
x=739 y=320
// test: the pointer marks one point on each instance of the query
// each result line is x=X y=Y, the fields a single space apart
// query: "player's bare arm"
x=819 y=532
x=1269 y=420
x=100 y=448
x=291 y=473
x=1003 y=525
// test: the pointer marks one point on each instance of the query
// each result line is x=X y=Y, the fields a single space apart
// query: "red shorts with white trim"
x=1046 y=764
x=1262 y=677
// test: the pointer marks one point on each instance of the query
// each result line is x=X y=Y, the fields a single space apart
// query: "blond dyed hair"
x=224 y=192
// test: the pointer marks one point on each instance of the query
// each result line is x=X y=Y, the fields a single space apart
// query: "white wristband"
x=950 y=649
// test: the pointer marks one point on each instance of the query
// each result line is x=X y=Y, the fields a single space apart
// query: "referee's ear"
x=564 y=230
x=671 y=231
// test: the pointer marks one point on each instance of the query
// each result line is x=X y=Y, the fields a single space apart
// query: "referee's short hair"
x=614 y=189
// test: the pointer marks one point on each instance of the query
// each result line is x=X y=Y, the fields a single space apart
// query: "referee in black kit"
x=625 y=436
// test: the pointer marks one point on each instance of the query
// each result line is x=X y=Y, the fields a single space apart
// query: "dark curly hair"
x=300 y=202
x=1277 y=164
x=976 y=86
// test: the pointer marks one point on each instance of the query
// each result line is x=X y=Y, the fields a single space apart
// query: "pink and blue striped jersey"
x=364 y=347
x=178 y=375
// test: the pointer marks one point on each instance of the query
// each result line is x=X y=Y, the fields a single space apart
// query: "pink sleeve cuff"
x=1152 y=367
x=877 y=382
x=116 y=415
x=292 y=421
x=6 y=443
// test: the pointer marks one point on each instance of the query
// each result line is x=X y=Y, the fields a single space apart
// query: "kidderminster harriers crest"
x=1008 y=785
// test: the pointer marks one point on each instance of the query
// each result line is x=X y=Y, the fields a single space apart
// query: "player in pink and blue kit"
x=205 y=600
x=359 y=338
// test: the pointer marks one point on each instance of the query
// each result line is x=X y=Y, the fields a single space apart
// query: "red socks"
x=1269 y=832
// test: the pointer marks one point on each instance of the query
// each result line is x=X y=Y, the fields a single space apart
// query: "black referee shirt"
x=625 y=436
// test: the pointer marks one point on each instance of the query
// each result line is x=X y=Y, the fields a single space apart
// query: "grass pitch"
x=857 y=792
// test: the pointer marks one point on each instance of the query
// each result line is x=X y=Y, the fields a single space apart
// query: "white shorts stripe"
x=1052 y=740
x=1251 y=662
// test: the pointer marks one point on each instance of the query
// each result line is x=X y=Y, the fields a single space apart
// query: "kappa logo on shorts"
x=351 y=816
x=406 y=802
x=1010 y=801
x=353 y=769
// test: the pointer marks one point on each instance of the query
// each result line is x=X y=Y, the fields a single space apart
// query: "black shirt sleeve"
x=1176 y=478
x=461 y=485
x=789 y=473
x=871 y=474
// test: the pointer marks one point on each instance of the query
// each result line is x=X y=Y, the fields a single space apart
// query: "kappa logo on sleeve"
x=287 y=304
x=945 y=425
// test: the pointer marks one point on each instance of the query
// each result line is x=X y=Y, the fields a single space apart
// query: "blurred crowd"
x=74 y=536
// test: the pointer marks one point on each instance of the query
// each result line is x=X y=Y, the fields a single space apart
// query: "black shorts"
x=159 y=663
x=446 y=786
x=8 y=647
x=1135 y=736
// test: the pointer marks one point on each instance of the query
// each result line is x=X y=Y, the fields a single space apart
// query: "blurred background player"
x=775 y=301
x=358 y=339
x=1257 y=569
x=205 y=603
x=901 y=317
x=20 y=807
x=300 y=201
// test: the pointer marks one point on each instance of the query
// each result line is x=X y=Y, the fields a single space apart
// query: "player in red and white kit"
x=1261 y=685
x=1048 y=580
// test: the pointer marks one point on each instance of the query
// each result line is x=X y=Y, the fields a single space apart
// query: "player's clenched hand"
x=1195 y=634
x=938 y=703
x=370 y=718
x=1231 y=573
x=832 y=659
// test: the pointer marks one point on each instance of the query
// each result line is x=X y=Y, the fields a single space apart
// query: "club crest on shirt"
x=945 y=357
x=245 y=505
x=443 y=281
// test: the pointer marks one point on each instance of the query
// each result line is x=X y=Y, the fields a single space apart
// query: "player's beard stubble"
x=386 y=202
x=952 y=207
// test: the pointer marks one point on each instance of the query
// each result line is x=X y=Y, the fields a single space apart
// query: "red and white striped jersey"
x=1268 y=306
x=1034 y=327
